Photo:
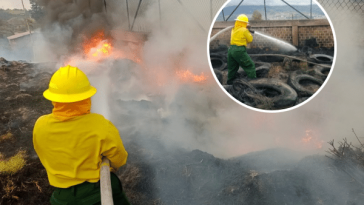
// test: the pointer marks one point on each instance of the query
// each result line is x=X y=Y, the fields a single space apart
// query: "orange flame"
x=105 y=49
x=188 y=76
x=94 y=41
x=100 y=46
x=312 y=139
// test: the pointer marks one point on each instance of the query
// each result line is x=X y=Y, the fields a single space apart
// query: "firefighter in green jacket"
x=237 y=55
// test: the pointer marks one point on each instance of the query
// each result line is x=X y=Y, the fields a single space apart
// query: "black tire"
x=219 y=75
x=261 y=71
x=321 y=72
x=269 y=59
x=228 y=88
x=220 y=48
x=321 y=59
x=301 y=100
x=222 y=56
x=259 y=63
x=287 y=95
x=243 y=91
x=295 y=80
x=218 y=64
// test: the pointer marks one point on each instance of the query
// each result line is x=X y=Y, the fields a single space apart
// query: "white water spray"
x=286 y=46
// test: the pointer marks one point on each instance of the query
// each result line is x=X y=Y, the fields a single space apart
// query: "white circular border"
x=282 y=110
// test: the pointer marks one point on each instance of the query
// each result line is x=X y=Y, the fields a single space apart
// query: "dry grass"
x=9 y=188
x=275 y=70
x=14 y=164
x=7 y=136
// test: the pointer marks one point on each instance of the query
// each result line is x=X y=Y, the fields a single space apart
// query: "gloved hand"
x=248 y=26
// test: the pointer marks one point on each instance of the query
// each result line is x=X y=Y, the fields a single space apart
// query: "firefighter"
x=71 y=142
x=237 y=55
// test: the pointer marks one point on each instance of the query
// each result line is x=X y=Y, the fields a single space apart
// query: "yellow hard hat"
x=69 y=84
x=243 y=18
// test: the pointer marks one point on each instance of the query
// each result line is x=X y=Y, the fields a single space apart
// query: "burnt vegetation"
x=156 y=174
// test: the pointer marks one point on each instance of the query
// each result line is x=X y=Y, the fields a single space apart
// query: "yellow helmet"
x=69 y=84
x=243 y=18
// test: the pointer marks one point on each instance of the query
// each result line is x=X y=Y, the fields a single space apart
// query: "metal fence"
x=348 y=5
x=303 y=11
x=199 y=13
x=341 y=11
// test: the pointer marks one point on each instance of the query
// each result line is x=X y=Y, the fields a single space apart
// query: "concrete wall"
x=292 y=31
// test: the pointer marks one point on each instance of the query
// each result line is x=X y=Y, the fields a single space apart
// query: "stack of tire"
x=286 y=94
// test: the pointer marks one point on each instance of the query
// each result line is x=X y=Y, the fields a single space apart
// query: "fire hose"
x=105 y=183
x=220 y=32
x=257 y=55
x=224 y=30
x=286 y=56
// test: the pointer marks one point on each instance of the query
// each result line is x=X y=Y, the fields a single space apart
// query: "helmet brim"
x=241 y=20
x=69 y=98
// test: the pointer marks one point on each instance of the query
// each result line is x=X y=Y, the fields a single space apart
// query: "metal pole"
x=311 y=9
x=235 y=10
x=105 y=183
x=265 y=10
x=198 y=23
x=295 y=9
x=30 y=32
x=211 y=10
x=136 y=14
x=223 y=16
x=160 y=13
x=127 y=12
x=26 y=20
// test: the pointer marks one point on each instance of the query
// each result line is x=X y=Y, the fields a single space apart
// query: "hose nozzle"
x=251 y=31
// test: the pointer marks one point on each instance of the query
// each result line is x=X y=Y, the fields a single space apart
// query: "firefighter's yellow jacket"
x=70 y=144
x=240 y=36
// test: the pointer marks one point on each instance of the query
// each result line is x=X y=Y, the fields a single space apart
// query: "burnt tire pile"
x=272 y=92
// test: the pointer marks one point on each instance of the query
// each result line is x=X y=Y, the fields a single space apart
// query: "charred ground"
x=156 y=175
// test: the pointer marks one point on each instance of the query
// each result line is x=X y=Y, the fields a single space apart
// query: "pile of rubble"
x=282 y=80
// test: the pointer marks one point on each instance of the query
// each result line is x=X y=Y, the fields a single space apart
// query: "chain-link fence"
x=272 y=10
x=288 y=9
x=342 y=11
x=139 y=13
x=349 y=5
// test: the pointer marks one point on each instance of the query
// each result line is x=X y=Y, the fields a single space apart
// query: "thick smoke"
x=198 y=115
x=148 y=100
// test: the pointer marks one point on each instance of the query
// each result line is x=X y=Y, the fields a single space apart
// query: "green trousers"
x=237 y=56
x=88 y=194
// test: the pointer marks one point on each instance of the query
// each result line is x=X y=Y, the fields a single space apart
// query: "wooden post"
x=105 y=183
x=295 y=35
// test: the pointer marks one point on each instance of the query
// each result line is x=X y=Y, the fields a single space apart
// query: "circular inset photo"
x=270 y=55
